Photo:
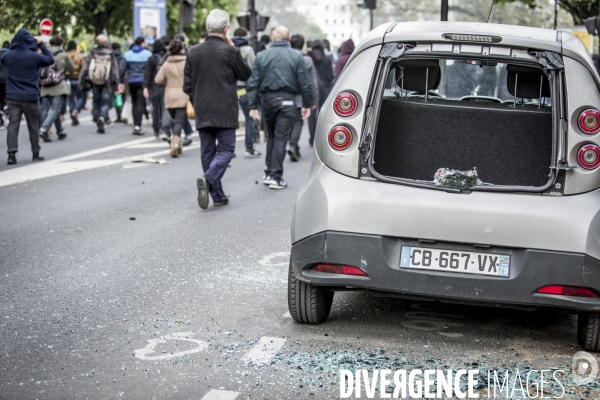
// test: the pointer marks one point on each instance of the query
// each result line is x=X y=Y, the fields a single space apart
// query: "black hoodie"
x=23 y=63
x=151 y=69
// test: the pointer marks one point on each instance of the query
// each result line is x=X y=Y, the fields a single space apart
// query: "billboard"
x=150 y=19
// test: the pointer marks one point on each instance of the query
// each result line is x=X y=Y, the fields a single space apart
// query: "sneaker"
x=74 y=119
x=294 y=156
x=164 y=136
x=62 y=135
x=138 y=131
x=252 y=153
x=45 y=137
x=175 y=142
x=187 y=141
x=221 y=202
x=12 y=158
x=278 y=184
x=156 y=134
x=202 y=185
x=122 y=121
x=100 y=125
x=108 y=122
x=37 y=157
x=267 y=180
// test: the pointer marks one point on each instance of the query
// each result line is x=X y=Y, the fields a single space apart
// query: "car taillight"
x=589 y=156
x=339 y=269
x=345 y=104
x=567 y=291
x=589 y=121
x=340 y=137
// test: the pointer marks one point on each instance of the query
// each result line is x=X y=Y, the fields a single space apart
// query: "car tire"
x=588 y=331
x=308 y=304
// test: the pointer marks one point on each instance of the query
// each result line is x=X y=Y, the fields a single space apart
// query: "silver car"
x=457 y=162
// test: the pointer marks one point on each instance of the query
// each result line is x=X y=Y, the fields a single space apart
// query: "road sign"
x=46 y=27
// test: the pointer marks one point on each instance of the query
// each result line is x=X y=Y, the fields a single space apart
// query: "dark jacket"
x=158 y=53
x=23 y=63
x=279 y=69
x=114 y=69
x=211 y=72
x=345 y=53
x=133 y=64
x=3 y=74
x=324 y=73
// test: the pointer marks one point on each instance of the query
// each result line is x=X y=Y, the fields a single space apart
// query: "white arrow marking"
x=264 y=351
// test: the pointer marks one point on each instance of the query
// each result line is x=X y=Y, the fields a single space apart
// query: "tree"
x=579 y=9
x=202 y=9
x=18 y=14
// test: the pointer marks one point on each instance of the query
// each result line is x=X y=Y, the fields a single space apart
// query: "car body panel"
x=334 y=202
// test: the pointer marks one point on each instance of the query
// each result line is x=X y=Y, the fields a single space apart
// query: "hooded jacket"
x=247 y=53
x=134 y=63
x=23 y=63
x=63 y=63
x=171 y=76
x=159 y=51
x=345 y=53
x=324 y=73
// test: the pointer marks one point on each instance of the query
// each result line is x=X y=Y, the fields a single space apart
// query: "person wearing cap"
x=76 y=99
x=102 y=91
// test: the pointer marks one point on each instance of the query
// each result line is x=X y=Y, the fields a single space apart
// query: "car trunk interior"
x=508 y=145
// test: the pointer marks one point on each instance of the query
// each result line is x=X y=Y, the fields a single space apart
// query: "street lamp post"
x=444 y=11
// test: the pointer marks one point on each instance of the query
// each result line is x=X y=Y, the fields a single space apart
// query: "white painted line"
x=162 y=144
x=220 y=395
x=144 y=353
x=264 y=351
x=267 y=261
x=67 y=121
x=287 y=315
x=52 y=168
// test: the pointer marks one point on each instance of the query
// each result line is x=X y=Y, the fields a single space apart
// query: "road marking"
x=450 y=334
x=267 y=261
x=82 y=121
x=220 y=395
x=287 y=315
x=61 y=166
x=184 y=336
x=264 y=351
x=150 y=145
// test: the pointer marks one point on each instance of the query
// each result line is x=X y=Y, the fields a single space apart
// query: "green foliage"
x=203 y=7
x=579 y=9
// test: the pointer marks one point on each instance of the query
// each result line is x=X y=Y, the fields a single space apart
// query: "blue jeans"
x=216 y=151
x=102 y=101
x=76 y=99
x=49 y=114
x=249 y=123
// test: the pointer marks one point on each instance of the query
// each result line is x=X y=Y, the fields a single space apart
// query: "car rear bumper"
x=379 y=256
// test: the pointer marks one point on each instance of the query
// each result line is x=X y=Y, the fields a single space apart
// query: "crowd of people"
x=278 y=82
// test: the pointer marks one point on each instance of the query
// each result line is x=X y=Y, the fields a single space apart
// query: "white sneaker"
x=267 y=180
x=278 y=184
x=163 y=136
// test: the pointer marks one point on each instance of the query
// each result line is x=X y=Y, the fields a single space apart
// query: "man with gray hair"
x=212 y=70
x=278 y=74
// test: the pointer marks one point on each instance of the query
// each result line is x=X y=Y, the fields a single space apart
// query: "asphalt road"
x=115 y=284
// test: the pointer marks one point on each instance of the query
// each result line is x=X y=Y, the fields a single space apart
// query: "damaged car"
x=459 y=163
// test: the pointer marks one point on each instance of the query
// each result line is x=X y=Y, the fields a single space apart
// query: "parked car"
x=456 y=162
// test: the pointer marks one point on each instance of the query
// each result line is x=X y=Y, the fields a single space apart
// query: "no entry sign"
x=46 y=27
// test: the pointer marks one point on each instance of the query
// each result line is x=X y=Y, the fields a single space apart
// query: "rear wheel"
x=308 y=304
x=588 y=331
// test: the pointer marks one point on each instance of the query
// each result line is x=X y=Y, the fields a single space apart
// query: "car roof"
x=560 y=42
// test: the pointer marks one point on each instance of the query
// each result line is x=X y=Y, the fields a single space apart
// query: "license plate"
x=466 y=262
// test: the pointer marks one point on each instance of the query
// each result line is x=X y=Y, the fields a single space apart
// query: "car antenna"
x=490 y=14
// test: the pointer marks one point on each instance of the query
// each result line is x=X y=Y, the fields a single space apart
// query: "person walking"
x=76 y=99
x=170 y=76
x=325 y=75
x=133 y=65
x=279 y=74
x=152 y=91
x=101 y=73
x=116 y=50
x=22 y=63
x=345 y=53
x=211 y=73
x=54 y=90
x=3 y=77
x=240 y=41
x=297 y=43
